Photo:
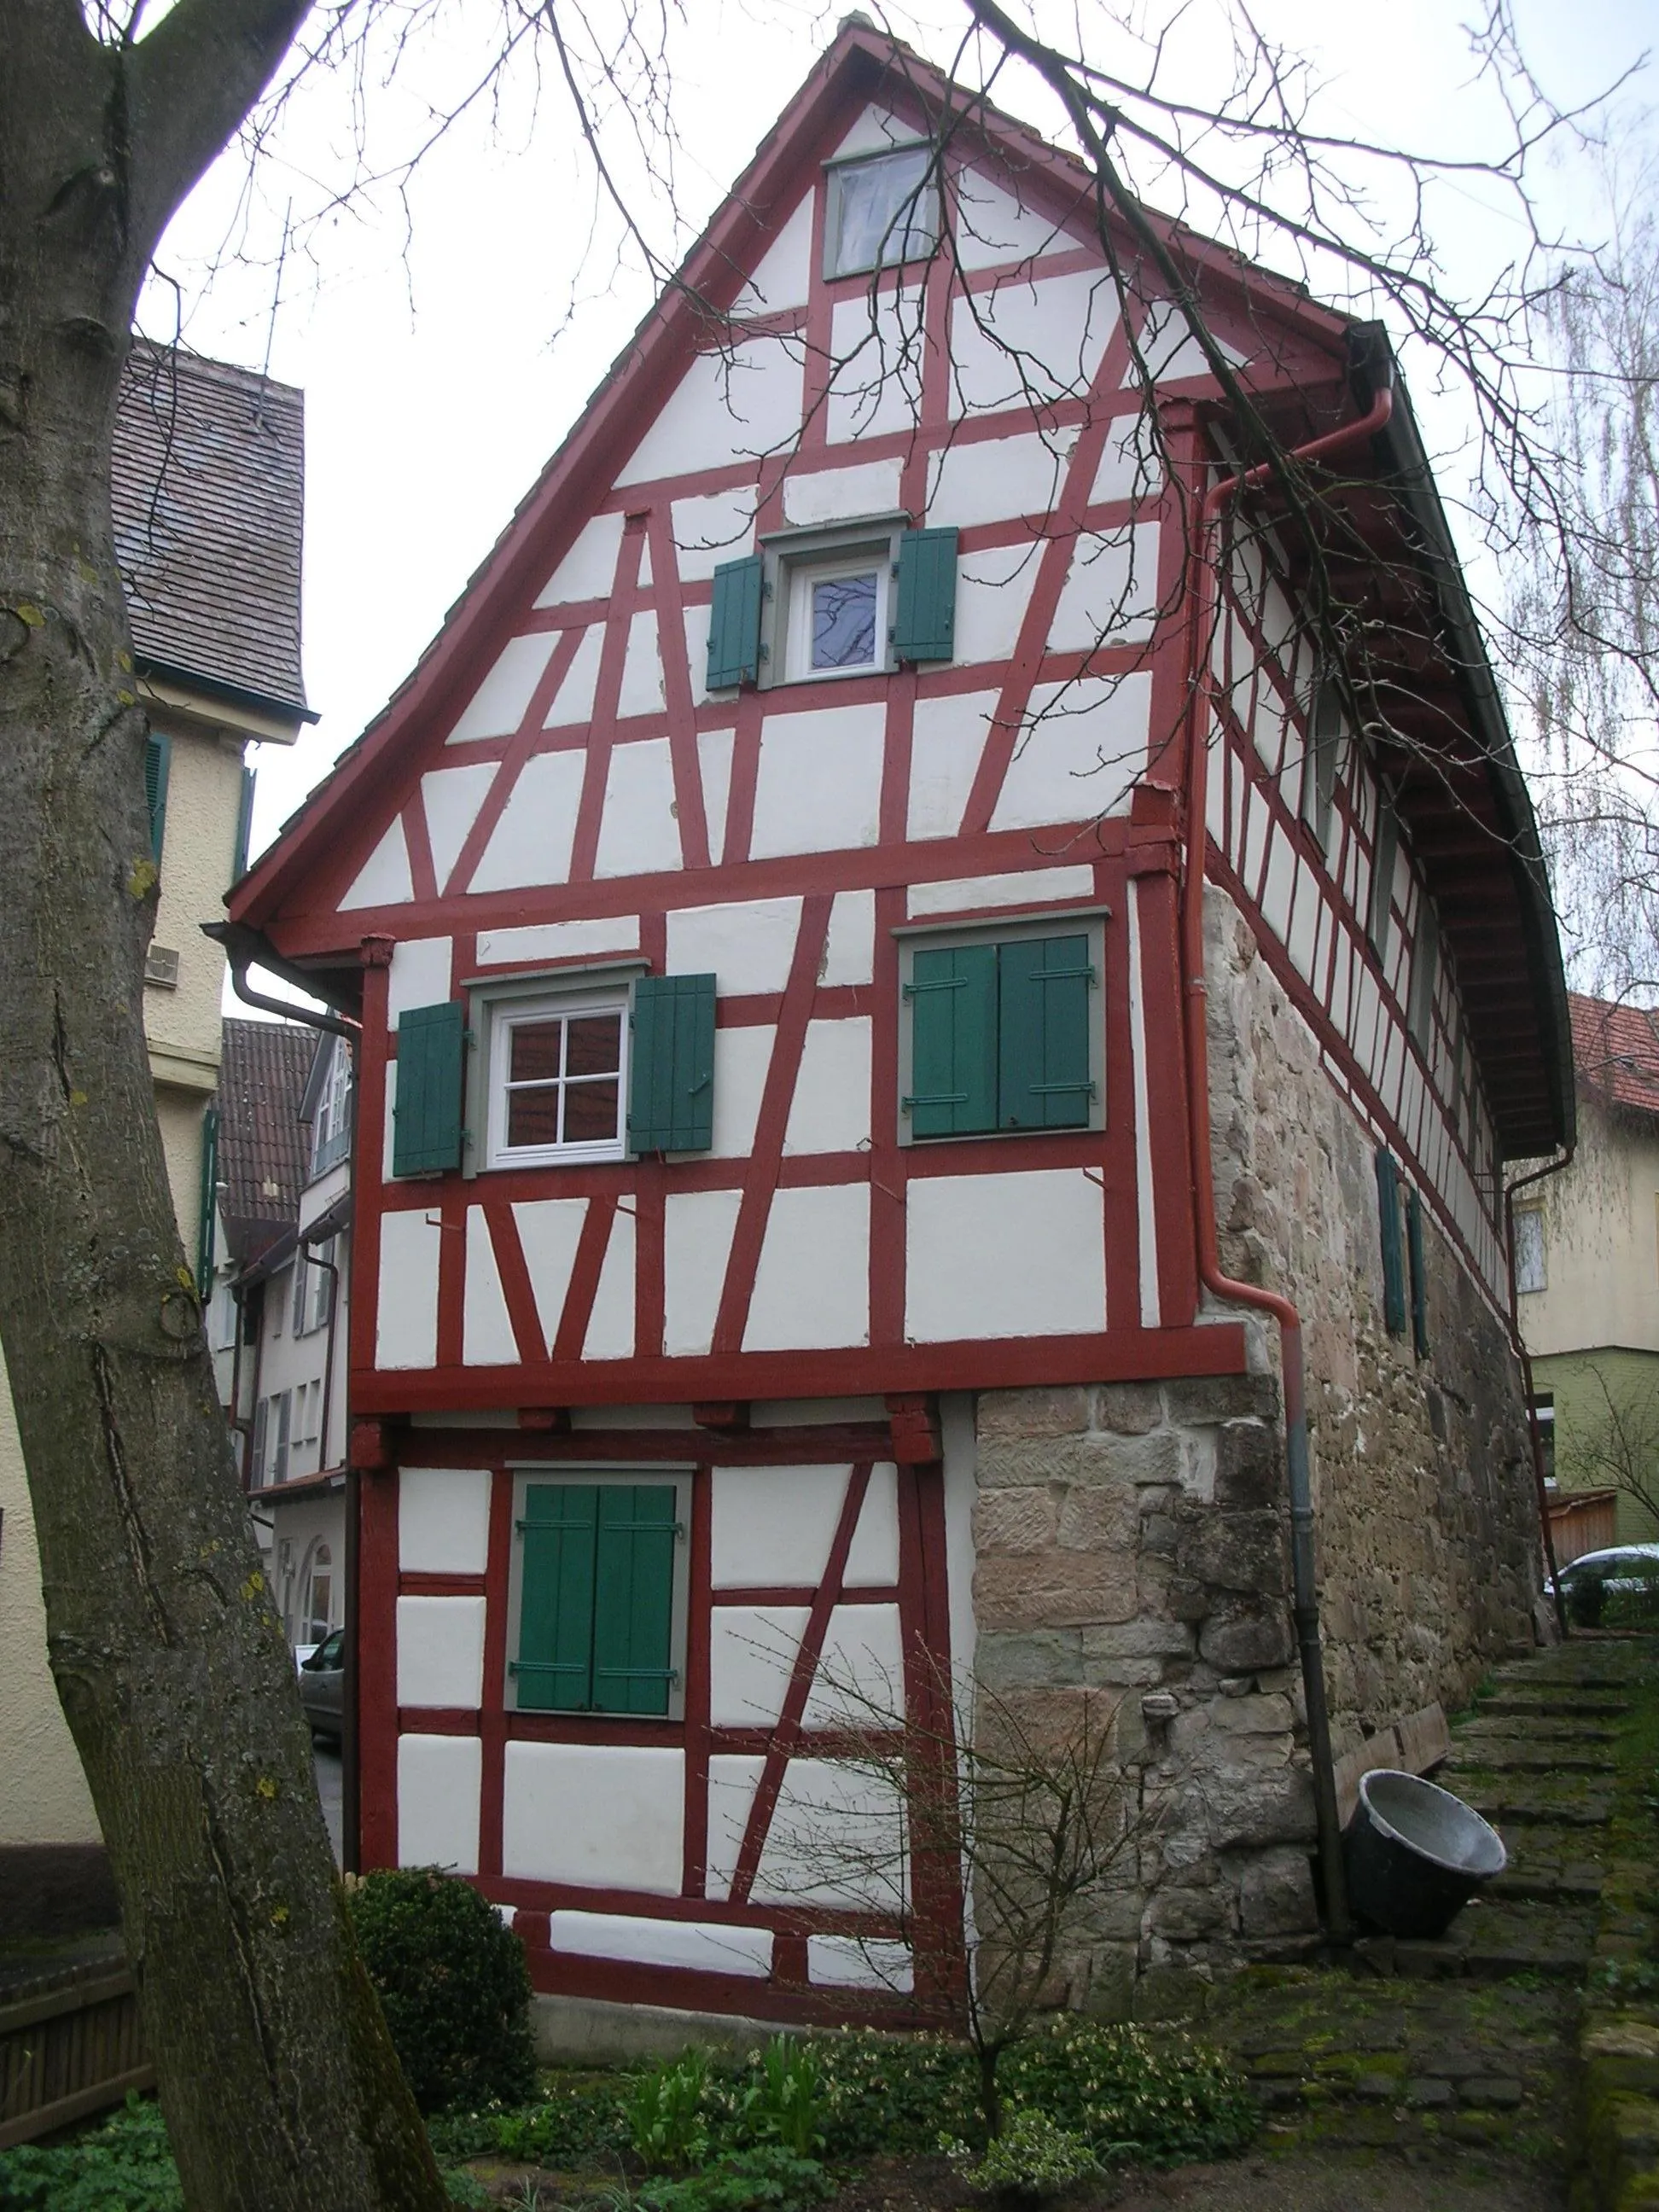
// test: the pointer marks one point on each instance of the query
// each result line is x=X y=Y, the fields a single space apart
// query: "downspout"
x=1519 y=1344
x=1201 y=693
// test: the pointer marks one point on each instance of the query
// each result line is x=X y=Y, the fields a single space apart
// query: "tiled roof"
x=1615 y=1051
x=209 y=492
x=262 y=1139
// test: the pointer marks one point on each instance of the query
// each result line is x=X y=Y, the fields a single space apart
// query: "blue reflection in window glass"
x=844 y=621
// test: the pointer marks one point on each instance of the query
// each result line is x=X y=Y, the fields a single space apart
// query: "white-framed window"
x=829 y=603
x=884 y=208
x=278 y=1431
x=312 y=1283
x=330 y=1127
x=320 y=1595
x=557 y=1076
x=1529 y=1270
x=256 y=1471
x=596 y=1599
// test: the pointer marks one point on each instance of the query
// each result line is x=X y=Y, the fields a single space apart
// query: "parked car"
x=1627 y=1573
x=322 y=1679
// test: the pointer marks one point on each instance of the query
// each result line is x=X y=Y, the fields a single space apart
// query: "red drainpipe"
x=1202 y=693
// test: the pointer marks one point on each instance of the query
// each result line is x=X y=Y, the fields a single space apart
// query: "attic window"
x=882 y=209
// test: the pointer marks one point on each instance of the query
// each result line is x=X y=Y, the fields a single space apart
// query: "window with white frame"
x=1529 y=1272
x=884 y=208
x=278 y=1431
x=312 y=1286
x=330 y=1127
x=557 y=1078
x=320 y=1595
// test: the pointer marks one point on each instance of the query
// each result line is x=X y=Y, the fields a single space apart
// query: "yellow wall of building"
x=1601 y=1240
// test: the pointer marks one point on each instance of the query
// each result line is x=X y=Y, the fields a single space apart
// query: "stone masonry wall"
x=1133 y=1540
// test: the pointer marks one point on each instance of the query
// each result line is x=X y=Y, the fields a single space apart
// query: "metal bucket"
x=1415 y=1853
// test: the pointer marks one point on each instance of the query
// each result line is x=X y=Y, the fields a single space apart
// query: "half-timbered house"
x=841 y=1156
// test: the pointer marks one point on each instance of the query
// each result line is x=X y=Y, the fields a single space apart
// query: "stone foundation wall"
x=1131 y=1540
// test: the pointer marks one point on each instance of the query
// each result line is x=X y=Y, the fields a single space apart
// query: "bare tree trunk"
x=278 y=2079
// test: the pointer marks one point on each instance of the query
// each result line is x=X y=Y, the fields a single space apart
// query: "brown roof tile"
x=261 y=1140
x=1615 y=1051
x=209 y=492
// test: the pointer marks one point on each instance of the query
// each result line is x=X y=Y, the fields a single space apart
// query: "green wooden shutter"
x=558 y=1535
x=426 y=1115
x=734 y=623
x=1418 y=1277
x=952 y=993
x=158 y=758
x=925 y=617
x=634 y=1598
x=1394 y=1270
x=244 y=827
x=1043 y=1045
x=670 y=1084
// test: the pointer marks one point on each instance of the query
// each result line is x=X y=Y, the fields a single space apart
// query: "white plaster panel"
x=996 y=479
x=498 y=706
x=549 y=1231
x=1030 y=340
x=1110 y=592
x=640 y=832
x=697 y=619
x=1012 y=1254
x=859 y=1680
x=819 y=785
x=443 y=1520
x=642 y=690
x=960 y=1446
x=573 y=702
x=994 y=589
x=873 y=1563
x=836 y=1838
x=644 y=571
x=589 y=569
x=813 y=1284
x=830 y=1109
x=749 y=945
x=947 y=738
x=1129 y=468
x=783 y=277
x=389 y=1132
x=849 y=945
x=772 y=1527
x=841 y=495
x=611 y=1324
x=703 y=1947
x=440 y=1785
x=696 y=1241
x=874 y=133
x=419 y=975
x=741 y=1060
x=733 y=1777
x=728 y=406
x=384 y=878
x=716 y=527
x=1305 y=909
x=1168 y=350
x=407 y=1322
x=555 y=940
x=441 y=1643
x=751 y=1651
x=1029 y=887
x=532 y=840
x=994 y=227
x=1082 y=746
x=875 y=386
x=1276 y=891
x=605 y=1816
x=1146 y=1206
x=487 y=1338
x=860 y=1962
x=714 y=763
x=451 y=797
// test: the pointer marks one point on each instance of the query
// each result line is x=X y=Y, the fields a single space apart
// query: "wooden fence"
x=68 y=2046
x=1581 y=1520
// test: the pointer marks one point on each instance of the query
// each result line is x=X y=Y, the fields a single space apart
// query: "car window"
x=327 y=1653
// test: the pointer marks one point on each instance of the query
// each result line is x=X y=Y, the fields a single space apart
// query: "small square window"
x=597 y=1606
x=1530 y=1273
x=835 y=613
x=557 y=1080
x=883 y=209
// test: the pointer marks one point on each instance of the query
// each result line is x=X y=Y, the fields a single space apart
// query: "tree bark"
x=278 y=2079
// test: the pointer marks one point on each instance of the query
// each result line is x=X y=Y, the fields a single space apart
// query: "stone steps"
x=1486 y=1755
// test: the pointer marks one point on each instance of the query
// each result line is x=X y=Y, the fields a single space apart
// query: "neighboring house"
x=278 y=1321
x=1587 y=1276
x=208 y=492
x=776 y=1254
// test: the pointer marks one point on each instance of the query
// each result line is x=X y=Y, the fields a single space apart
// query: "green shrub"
x=124 y=2165
x=788 y=2101
x=1128 y=2095
x=1031 y=2158
x=667 y=2123
x=898 y=2093
x=769 y=2176
x=454 y=1985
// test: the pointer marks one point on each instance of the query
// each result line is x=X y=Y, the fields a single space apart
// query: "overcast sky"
x=446 y=344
